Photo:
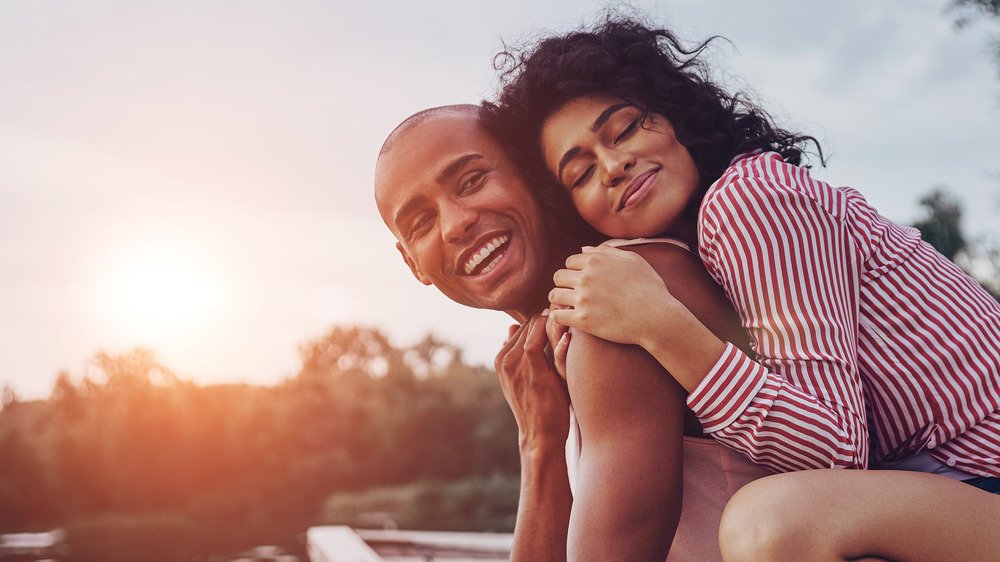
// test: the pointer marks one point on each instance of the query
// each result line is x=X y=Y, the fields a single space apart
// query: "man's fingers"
x=560 y=352
x=562 y=297
x=511 y=331
x=554 y=330
x=535 y=339
x=513 y=343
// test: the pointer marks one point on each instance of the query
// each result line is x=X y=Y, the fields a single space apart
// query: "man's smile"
x=483 y=256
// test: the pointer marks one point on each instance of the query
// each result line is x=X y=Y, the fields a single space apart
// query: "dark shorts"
x=988 y=483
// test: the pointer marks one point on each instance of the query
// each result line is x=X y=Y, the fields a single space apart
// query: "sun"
x=161 y=297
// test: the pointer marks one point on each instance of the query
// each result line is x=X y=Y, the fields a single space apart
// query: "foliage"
x=129 y=450
x=474 y=504
x=968 y=11
x=941 y=226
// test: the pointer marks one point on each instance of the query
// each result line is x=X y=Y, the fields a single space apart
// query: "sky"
x=196 y=177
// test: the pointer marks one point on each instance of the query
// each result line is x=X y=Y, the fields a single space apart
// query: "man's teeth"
x=487 y=249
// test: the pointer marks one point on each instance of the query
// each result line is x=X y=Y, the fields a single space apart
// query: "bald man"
x=466 y=222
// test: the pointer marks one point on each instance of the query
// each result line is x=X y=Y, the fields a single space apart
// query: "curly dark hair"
x=647 y=67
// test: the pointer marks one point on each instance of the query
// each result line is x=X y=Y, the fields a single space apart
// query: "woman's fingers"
x=562 y=297
x=576 y=261
x=568 y=278
x=567 y=317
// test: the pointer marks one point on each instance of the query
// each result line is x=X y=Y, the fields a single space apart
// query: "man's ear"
x=413 y=266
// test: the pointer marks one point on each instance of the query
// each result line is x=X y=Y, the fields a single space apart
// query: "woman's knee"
x=762 y=521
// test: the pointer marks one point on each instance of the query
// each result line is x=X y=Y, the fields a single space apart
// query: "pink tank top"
x=712 y=474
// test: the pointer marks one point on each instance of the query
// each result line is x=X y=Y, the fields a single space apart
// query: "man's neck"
x=538 y=300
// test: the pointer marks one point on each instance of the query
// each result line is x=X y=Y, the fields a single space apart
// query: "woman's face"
x=628 y=177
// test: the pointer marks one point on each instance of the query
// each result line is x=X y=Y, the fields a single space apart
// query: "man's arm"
x=629 y=481
x=630 y=411
x=540 y=403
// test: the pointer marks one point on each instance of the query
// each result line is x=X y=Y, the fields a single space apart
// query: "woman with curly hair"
x=869 y=348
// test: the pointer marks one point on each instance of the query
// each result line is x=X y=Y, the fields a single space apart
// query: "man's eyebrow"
x=598 y=123
x=456 y=165
x=446 y=174
x=407 y=208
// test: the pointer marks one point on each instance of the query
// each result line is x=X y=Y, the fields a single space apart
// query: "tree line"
x=131 y=446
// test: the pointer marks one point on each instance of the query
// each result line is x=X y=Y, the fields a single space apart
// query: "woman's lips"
x=639 y=188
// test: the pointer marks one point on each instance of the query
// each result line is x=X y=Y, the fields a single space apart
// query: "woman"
x=634 y=136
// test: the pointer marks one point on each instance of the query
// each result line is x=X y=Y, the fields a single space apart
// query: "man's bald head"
x=412 y=121
x=464 y=217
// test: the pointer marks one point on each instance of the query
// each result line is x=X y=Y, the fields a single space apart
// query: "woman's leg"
x=852 y=515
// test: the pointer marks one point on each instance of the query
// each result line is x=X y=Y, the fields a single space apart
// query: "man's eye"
x=472 y=182
x=583 y=177
x=418 y=223
x=628 y=131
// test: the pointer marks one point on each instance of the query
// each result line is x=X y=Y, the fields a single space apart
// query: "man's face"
x=463 y=216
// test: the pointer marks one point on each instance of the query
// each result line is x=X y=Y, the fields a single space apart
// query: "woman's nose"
x=614 y=166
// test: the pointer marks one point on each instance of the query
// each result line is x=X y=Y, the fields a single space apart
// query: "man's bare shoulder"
x=669 y=260
x=688 y=281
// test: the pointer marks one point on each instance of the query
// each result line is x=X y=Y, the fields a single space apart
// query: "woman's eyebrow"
x=606 y=114
x=598 y=123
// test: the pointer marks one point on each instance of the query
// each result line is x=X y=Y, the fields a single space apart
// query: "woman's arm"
x=790 y=268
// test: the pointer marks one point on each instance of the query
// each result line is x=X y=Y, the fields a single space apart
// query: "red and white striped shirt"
x=856 y=324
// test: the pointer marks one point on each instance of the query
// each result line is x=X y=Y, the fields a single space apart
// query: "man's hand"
x=533 y=388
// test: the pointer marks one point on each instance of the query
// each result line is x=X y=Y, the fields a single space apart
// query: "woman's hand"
x=537 y=395
x=610 y=293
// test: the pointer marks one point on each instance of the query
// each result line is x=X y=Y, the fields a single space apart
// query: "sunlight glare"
x=162 y=298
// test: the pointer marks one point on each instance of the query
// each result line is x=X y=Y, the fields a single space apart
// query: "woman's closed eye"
x=627 y=131
x=583 y=177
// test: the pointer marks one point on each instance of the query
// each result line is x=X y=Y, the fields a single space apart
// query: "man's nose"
x=456 y=220
x=614 y=166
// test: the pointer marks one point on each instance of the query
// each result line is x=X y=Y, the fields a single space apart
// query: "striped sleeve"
x=791 y=269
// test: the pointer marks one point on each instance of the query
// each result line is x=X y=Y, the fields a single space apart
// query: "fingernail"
x=545 y=312
x=587 y=248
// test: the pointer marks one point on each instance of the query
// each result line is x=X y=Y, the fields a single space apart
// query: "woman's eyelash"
x=583 y=177
x=628 y=130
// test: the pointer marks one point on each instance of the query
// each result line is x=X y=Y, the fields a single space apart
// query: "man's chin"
x=512 y=293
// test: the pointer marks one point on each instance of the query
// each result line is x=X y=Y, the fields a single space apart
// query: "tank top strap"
x=621 y=242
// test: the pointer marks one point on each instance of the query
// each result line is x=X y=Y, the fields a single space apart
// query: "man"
x=466 y=222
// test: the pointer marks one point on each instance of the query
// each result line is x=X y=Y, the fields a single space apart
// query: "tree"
x=941 y=226
x=970 y=10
